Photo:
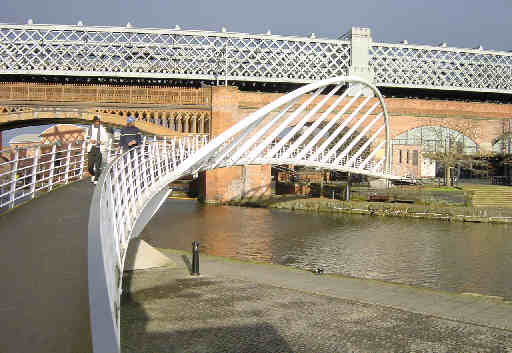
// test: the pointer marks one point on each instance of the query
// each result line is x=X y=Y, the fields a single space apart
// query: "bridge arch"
x=22 y=117
x=432 y=138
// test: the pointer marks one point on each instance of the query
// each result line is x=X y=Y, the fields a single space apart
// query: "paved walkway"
x=44 y=305
x=236 y=306
x=232 y=307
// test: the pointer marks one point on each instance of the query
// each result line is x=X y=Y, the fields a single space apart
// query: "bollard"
x=195 y=258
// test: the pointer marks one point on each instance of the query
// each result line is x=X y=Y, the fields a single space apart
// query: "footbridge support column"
x=221 y=185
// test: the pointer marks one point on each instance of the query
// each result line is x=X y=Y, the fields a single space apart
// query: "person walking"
x=97 y=149
x=130 y=135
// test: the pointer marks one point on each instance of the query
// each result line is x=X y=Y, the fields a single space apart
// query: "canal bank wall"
x=451 y=213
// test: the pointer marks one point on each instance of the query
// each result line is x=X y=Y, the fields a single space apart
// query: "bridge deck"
x=44 y=302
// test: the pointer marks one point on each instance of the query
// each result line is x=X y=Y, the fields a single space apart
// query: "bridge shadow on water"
x=186 y=315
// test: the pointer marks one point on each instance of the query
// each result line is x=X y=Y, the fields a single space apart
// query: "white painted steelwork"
x=226 y=56
x=291 y=130
x=25 y=172
x=413 y=66
x=130 y=52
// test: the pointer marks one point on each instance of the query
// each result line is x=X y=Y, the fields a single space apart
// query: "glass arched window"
x=436 y=139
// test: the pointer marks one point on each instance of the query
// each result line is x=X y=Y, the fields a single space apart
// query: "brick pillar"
x=226 y=184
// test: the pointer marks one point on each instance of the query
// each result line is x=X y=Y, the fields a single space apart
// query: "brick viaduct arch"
x=173 y=123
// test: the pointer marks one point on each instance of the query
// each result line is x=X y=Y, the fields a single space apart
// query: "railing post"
x=173 y=152
x=14 y=172
x=52 y=167
x=158 y=154
x=152 y=163
x=68 y=159
x=35 y=162
x=166 y=156
x=138 y=169
x=82 y=158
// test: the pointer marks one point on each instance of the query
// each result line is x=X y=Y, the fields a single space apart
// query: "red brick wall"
x=406 y=114
x=226 y=184
x=230 y=106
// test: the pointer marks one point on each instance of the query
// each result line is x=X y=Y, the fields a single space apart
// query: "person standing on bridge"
x=97 y=149
x=130 y=135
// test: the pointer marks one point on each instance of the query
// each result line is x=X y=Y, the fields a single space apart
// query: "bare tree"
x=448 y=146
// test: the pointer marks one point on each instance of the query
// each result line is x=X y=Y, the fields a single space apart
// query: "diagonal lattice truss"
x=167 y=53
x=344 y=129
x=397 y=65
x=129 y=52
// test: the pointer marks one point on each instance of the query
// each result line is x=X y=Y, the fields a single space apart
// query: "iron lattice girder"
x=397 y=65
x=168 y=53
x=180 y=54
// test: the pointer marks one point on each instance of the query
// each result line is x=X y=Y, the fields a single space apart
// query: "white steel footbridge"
x=290 y=130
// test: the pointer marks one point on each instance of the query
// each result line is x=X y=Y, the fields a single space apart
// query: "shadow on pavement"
x=187 y=263
x=155 y=332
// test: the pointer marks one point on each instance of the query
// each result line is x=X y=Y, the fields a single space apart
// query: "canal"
x=458 y=257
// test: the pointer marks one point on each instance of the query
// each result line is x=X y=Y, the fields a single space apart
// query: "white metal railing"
x=133 y=187
x=25 y=172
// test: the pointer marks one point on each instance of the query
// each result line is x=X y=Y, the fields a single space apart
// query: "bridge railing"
x=17 y=91
x=26 y=172
x=121 y=206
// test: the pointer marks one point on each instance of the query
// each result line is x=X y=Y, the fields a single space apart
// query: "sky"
x=459 y=23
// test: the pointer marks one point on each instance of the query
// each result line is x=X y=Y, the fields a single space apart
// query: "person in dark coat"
x=130 y=135
x=97 y=148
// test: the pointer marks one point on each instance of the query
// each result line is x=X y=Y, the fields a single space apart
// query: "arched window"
x=436 y=139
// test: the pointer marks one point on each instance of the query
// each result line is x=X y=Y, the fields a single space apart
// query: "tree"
x=448 y=147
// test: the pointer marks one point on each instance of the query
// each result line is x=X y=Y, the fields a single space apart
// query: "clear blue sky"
x=460 y=23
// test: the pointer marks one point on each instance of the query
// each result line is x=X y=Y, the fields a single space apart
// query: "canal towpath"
x=256 y=307
x=469 y=308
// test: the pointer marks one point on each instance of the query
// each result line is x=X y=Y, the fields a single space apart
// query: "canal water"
x=458 y=257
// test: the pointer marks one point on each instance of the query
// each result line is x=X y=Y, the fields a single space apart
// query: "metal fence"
x=29 y=171
x=25 y=172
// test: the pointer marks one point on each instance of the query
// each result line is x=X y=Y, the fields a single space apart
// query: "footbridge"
x=295 y=129
x=135 y=185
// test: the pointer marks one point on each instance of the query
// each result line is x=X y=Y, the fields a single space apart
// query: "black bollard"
x=195 y=258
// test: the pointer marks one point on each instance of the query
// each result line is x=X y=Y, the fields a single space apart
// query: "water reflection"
x=458 y=257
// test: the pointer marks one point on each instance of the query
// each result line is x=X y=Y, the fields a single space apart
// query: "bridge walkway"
x=44 y=302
